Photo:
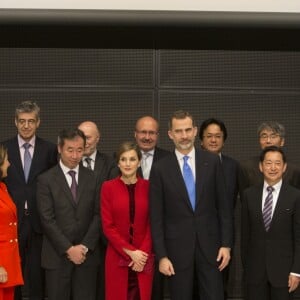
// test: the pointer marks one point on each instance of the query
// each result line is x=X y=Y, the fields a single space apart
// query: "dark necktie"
x=27 y=160
x=189 y=181
x=88 y=161
x=73 y=185
x=267 y=210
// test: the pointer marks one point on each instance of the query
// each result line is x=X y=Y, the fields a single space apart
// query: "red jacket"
x=9 y=248
x=116 y=223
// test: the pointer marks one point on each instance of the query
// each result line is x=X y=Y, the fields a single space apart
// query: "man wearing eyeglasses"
x=29 y=156
x=146 y=136
x=270 y=133
x=213 y=134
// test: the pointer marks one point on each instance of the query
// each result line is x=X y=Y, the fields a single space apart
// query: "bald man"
x=102 y=165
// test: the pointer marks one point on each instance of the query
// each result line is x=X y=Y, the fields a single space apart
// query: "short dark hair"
x=211 y=121
x=3 y=154
x=127 y=146
x=180 y=114
x=272 y=149
x=27 y=107
x=70 y=134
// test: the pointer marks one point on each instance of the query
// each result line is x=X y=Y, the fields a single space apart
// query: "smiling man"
x=270 y=237
x=68 y=204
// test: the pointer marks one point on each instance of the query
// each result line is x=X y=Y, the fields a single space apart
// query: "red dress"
x=9 y=247
x=116 y=225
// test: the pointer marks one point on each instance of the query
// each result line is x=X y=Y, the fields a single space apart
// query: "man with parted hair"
x=68 y=205
x=29 y=156
x=270 y=236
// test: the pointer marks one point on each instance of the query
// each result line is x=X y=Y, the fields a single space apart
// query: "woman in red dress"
x=10 y=265
x=129 y=262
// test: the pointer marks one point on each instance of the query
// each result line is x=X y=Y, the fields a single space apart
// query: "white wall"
x=181 y=5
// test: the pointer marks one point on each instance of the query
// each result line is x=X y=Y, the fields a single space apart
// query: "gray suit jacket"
x=65 y=223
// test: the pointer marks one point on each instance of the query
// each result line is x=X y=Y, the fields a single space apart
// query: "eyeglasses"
x=272 y=136
x=216 y=136
x=24 y=121
x=145 y=132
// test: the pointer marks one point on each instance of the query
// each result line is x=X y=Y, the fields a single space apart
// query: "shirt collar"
x=92 y=156
x=180 y=156
x=21 y=142
x=66 y=169
x=276 y=186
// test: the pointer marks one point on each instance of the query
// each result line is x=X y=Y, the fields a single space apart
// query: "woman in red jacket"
x=129 y=262
x=10 y=266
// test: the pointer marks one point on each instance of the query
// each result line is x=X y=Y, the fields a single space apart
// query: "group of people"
x=87 y=226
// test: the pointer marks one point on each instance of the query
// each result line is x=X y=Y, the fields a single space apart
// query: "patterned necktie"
x=88 y=161
x=146 y=165
x=189 y=181
x=267 y=210
x=27 y=160
x=73 y=185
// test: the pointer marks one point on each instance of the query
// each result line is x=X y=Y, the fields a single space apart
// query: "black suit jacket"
x=175 y=226
x=249 y=174
x=44 y=157
x=230 y=168
x=159 y=153
x=276 y=252
x=64 y=223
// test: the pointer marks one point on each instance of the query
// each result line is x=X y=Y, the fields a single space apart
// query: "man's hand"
x=166 y=267
x=76 y=254
x=293 y=282
x=223 y=257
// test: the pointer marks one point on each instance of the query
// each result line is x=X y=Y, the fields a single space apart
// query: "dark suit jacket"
x=44 y=157
x=159 y=153
x=230 y=168
x=249 y=174
x=276 y=252
x=175 y=226
x=64 y=223
x=103 y=167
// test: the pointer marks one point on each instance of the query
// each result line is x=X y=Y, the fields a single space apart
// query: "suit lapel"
x=201 y=167
x=82 y=182
x=15 y=158
x=279 y=204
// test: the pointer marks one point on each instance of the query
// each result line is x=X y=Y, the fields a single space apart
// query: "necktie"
x=267 y=210
x=73 y=185
x=146 y=166
x=27 y=160
x=189 y=181
x=88 y=161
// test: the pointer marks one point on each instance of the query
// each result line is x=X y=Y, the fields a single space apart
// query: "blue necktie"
x=27 y=160
x=267 y=210
x=189 y=181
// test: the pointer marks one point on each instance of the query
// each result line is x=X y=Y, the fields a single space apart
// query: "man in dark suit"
x=146 y=135
x=213 y=134
x=270 y=237
x=22 y=187
x=68 y=204
x=191 y=219
x=103 y=166
x=270 y=133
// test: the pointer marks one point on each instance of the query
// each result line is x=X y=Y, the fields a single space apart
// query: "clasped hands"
x=138 y=259
x=77 y=254
x=3 y=275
